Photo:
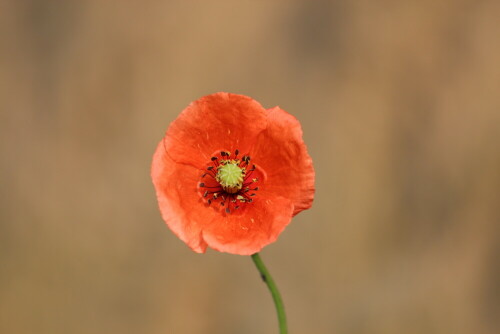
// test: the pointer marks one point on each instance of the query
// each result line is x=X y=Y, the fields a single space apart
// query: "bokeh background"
x=400 y=107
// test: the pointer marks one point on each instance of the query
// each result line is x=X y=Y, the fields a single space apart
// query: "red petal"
x=280 y=151
x=175 y=186
x=216 y=122
x=247 y=232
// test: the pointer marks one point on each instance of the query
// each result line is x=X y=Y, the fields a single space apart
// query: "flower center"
x=230 y=176
x=229 y=180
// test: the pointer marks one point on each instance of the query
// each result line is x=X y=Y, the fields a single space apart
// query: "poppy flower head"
x=230 y=174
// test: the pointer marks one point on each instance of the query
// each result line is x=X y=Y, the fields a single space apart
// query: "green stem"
x=278 y=302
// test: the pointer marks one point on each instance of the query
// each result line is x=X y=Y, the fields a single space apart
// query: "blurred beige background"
x=400 y=106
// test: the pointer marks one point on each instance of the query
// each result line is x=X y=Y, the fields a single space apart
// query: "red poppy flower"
x=230 y=174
